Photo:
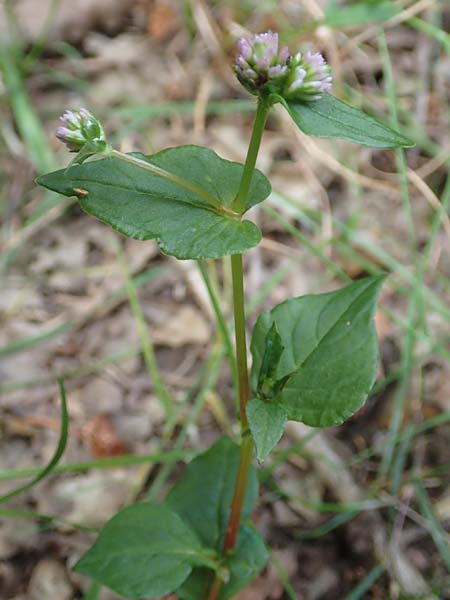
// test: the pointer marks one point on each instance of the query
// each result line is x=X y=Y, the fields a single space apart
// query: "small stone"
x=90 y=499
x=135 y=427
x=101 y=396
x=13 y=537
x=285 y=516
x=49 y=580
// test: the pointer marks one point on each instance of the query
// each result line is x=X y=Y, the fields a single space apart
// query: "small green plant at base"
x=314 y=357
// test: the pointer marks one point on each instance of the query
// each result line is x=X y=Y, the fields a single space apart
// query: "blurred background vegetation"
x=361 y=511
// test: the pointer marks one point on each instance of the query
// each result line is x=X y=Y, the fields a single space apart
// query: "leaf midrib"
x=147 y=193
x=144 y=551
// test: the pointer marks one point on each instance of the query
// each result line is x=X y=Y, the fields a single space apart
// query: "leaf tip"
x=408 y=143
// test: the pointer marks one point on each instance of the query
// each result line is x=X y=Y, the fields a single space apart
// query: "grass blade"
x=56 y=456
x=364 y=586
x=438 y=533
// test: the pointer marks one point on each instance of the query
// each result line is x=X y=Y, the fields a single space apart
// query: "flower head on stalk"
x=81 y=127
x=260 y=63
x=264 y=69
x=309 y=76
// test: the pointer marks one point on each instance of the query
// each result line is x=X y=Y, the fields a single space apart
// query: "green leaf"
x=358 y=13
x=203 y=495
x=144 y=205
x=146 y=550
x=247 y=562
x=267 y=420
x=330 y=353
x=242 y=567
x=268 y=386
x=329 y=117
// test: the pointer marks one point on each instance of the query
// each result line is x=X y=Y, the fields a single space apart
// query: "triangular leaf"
x=267 y=421
x=329 y=117
x=142 y=205
x=146 y=550
x=330 y=354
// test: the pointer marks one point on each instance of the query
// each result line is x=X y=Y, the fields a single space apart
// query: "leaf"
x=330 y=355
x=243 y=566
x=248 y=561
x=329 y=117
x=359 y=13
x=268 y=386
x=143 y=205
x=203 y=495
x=267 y=420
x=146 y=550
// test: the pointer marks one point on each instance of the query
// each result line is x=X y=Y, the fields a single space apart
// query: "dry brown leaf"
x=163 y=20
x=100 y=436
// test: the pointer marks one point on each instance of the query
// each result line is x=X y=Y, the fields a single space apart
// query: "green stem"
x=239 y=492
x=214 y=591
x=240 y=336
x=188 y=185
x=246 y=453
x=258 y=128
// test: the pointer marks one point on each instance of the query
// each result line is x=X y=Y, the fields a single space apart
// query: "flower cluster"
x=309 y=76
x=262 y=68
x=80 y=127
x=260 y=62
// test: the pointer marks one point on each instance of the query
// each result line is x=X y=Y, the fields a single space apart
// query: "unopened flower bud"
x=80 y=127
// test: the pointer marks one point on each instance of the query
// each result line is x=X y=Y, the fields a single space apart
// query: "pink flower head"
x=309 y=77
x=263 y=68
x=80 y=127
x=260 y=62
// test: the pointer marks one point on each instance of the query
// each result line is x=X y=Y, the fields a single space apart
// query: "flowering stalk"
x=82 y=132
x=258 y=129
x=265 y=71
